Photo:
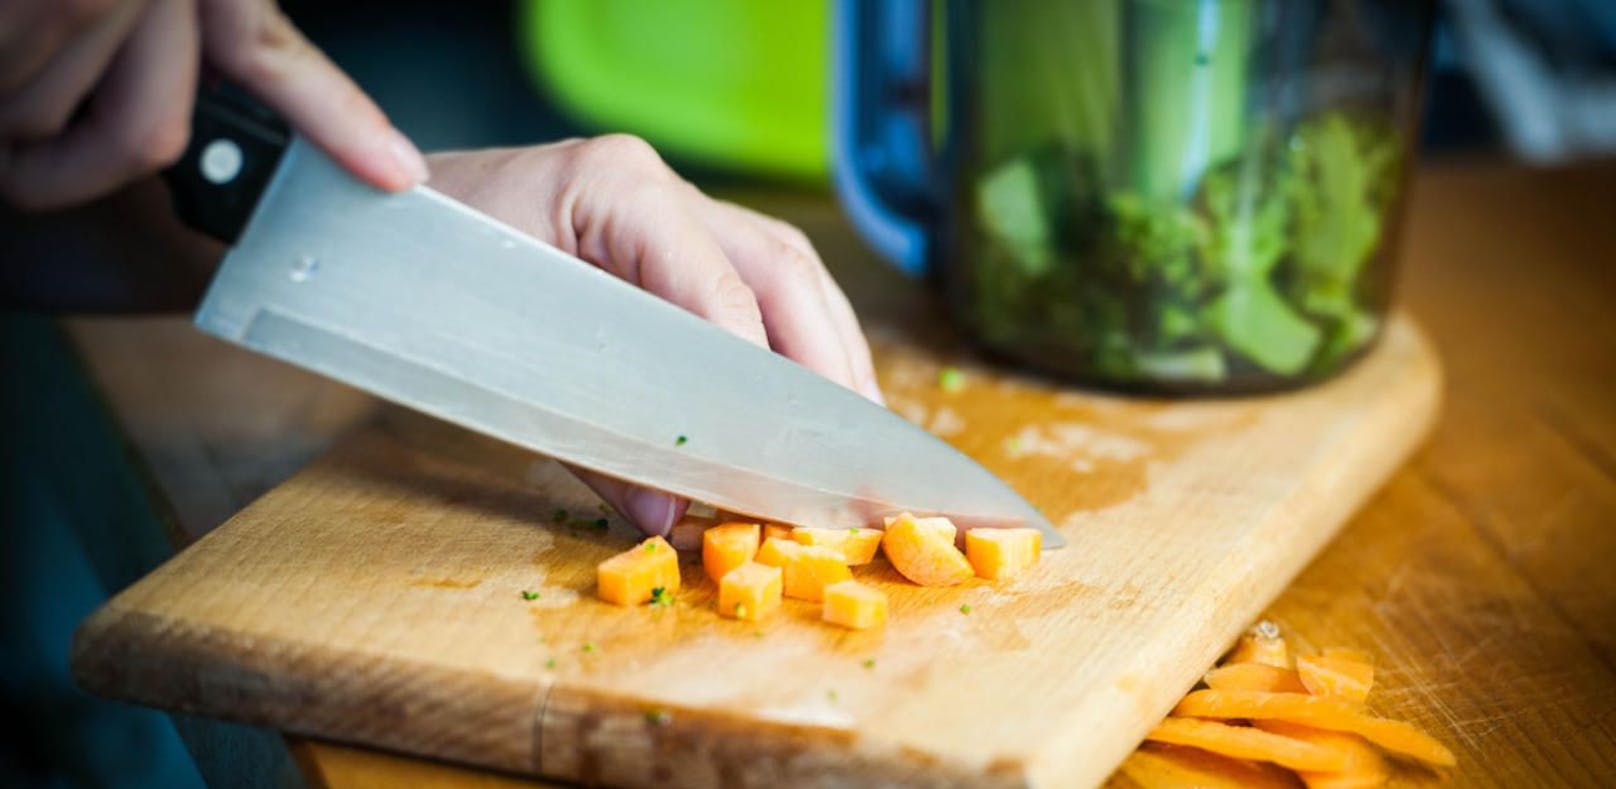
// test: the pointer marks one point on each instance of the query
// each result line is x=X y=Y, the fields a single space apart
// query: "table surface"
x=1480 y=575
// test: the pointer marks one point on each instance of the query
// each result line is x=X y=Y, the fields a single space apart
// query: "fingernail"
x=653 y=511
x=408 y=157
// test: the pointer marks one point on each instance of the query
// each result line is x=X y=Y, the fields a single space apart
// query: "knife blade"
x=426 y=302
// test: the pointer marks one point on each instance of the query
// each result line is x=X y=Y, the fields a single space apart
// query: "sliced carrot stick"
x=1254 y=676
x=1364 y=769
x=1353 y=655
x=1324 y=675
x=1162 y=766
x=1321 y=712
x=1261 y=647
x=1245 y=742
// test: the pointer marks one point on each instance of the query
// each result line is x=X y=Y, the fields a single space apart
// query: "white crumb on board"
x=1081 y=444
x=946 y=422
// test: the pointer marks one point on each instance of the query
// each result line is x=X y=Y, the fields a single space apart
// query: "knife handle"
x=235 y=145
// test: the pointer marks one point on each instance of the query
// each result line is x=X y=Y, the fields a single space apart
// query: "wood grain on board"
x=1476 y=576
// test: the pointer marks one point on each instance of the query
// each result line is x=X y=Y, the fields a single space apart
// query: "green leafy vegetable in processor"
x=1155 y=207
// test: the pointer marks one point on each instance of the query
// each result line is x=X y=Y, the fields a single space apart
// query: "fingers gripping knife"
x=422 y=300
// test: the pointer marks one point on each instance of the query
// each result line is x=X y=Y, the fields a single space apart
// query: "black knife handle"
x=235 y=145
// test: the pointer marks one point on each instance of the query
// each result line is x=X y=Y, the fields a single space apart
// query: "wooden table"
x=1481 y=575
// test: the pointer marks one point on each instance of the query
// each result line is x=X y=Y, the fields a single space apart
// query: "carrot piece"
x=1323 y=675
x=750 y=592
x=857 y=546
x=1322 y=712
x=686 y=534
x=631 y=577
x=1244 y=742
x=811 y=569
x=1254 y=676
x=1263 y=645
x=773 y=530
x=1002 y=553
x=1365 y=767
x=727 y=546
x=1163 y=766
x=854 y=605
x=777 y=552
x=923 y=555
x=942 y=526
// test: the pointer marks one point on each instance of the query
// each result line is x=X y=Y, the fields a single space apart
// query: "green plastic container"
x=736 y=85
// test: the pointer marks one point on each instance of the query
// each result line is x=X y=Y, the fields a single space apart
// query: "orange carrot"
x=1364 y=768
x=1254 y=676
x=1321 y=712
x=1245 y=742
x=1324 y=675
x=1261 y=647
x=1162 y=766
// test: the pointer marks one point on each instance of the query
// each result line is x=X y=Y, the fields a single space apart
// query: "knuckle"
x=734 y=298
x=790 y=234
x=795 y=265
x=624 y=151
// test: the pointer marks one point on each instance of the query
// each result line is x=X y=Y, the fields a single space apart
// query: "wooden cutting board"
x=376 y=597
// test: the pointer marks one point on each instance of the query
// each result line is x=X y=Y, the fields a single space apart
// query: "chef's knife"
x=426 y=302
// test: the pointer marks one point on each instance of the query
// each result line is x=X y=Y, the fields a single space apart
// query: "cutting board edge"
x=144 y=658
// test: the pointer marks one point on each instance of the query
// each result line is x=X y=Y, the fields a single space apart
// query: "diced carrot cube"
x=942 y=526
x=855 y=605
x=1365 y=768
x=1254 y=676
x=629 y=578
x=727 y=546
x=1244 y=742
x=750 y=591
x=923 y=554
x=857 y=546
x=1162 y=766
x=773 y=530
x=1319 y=712
x=777 y=552
x=686 y=533
x=812 y=569
x=1324 y=675
x=1002 y=553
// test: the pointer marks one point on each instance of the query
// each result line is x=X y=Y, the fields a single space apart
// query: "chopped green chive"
x=658 y=717
x=757 y=633
x=681 y=440
x=1012 y=444
x=550 y=664
x=965 y=608
x=526 y=595
x=831 y=694
x=869 y=662
x=950 y=379
x=740 y=609
x=589 y=646
x=661 y=597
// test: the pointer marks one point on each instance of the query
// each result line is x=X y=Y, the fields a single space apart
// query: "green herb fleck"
x=661 y=597
x=869 y=662
x=650 y=547
x=559 y=516
x=550 y=664
x=658 y=717
x=527 y=595
x=853 y=530
x=757 y=633
x=950 y=379
x=600 y=524
x=1012 y=445
x=681 y=440
x=589 y=646
x=965 y=608
x=831 y=694
x=740 y=610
